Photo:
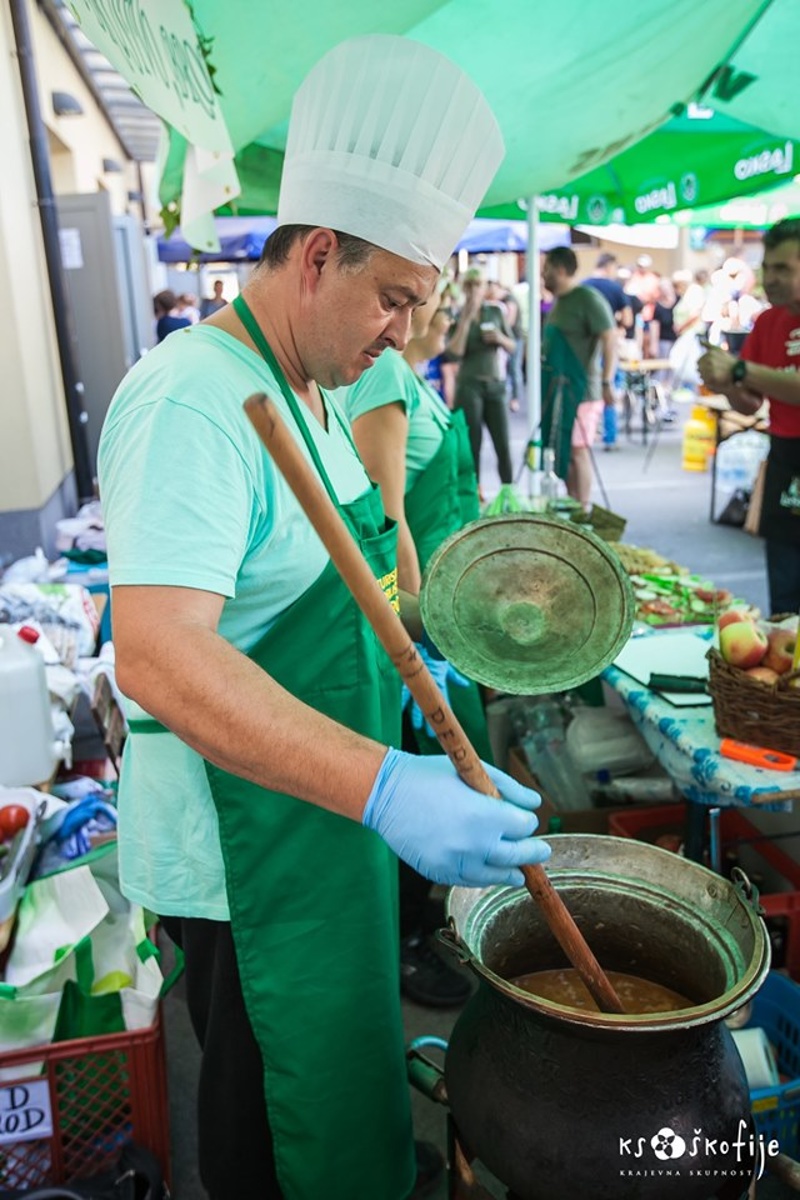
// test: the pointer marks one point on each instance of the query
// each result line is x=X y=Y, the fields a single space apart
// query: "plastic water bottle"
x=540 y=731
x=28 y=752
x=738 y=460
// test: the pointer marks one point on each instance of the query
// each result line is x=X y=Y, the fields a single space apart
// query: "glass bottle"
x=550 y=481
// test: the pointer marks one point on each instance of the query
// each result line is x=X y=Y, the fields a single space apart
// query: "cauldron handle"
x=452 y=941
x=747 y=890
x=374 y=604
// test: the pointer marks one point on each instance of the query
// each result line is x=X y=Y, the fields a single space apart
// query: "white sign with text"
x=153 y=44
x=25 y=1112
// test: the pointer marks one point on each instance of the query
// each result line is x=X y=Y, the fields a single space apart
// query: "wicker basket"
x=763 y=714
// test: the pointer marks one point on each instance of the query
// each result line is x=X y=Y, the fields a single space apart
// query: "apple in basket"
x=743 y=644
x=732 y=616
x=780 y=649
x=764 y=674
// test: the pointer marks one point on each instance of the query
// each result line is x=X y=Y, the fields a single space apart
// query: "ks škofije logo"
x=696 y=1155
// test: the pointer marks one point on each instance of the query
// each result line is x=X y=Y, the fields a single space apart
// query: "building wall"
x=35 y=450
x=35 y=453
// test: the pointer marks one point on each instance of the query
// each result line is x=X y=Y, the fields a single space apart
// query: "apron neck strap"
x=245 y=315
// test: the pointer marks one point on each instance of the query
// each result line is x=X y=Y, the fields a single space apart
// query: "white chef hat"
x=391 y=142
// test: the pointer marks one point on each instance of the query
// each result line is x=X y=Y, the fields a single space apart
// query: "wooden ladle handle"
x=372 y=601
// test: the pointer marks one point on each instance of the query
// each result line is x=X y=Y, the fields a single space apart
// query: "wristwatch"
x=738 y=371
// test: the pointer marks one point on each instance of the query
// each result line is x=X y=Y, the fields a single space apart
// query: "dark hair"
x=787 y=230
x=563 y=256
x=352 y=253
x=164 y=302
x=605 y=260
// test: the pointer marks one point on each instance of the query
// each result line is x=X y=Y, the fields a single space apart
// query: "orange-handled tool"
x=757 y=756
x=368 y=594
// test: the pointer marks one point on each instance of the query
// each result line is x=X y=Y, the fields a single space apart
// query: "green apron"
x=313 y=899
x=442 y=499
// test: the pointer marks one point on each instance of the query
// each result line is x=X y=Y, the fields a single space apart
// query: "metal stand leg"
x=695 y=831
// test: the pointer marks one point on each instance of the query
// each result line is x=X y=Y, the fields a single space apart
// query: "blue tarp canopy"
x=485 y=236
x=241 y=239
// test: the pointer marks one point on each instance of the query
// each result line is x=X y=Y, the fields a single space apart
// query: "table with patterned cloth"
x=687 y=745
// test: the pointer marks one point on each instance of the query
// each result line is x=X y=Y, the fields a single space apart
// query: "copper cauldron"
x=559 y=1102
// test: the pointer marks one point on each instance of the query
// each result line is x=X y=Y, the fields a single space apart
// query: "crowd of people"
x=180 y=310
x=481 y=369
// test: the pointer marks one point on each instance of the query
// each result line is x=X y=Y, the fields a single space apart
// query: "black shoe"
x=426 y=978
x=430 y=1168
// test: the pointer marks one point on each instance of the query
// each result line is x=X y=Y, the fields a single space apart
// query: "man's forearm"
x=608 y=356
x=766 y=381
x=741 y=399
x=239 y=718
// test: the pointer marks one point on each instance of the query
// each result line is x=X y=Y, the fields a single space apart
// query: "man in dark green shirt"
x=585 y=320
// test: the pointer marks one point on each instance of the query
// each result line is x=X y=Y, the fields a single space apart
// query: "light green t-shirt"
x=392 y=381
x=191 y=499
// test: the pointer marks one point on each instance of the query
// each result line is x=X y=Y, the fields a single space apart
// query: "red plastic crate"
x=104 y=1091
x=646 y=824
x=785 y=907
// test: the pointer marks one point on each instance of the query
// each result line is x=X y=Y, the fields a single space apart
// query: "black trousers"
x=234 y=1141
x=783 y=574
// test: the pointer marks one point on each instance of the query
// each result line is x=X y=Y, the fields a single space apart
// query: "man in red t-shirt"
x=769 y=368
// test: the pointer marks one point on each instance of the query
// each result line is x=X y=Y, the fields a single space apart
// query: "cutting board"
x=670 y=654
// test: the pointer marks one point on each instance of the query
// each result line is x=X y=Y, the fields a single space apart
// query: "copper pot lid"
x=527 y=604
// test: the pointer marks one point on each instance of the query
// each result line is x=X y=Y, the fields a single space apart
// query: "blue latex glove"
x=448 y=832
x=445 y=676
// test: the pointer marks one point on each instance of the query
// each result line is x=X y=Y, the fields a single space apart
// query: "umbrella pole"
x=533 y=356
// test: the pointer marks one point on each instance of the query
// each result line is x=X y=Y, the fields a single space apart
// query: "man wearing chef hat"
x=260 y=809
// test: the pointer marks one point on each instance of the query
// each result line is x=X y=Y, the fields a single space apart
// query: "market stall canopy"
x=571 y=85
x=746 y=212
x=759 y=82
x=241 y=239
x=698 y=158
x=486 y=236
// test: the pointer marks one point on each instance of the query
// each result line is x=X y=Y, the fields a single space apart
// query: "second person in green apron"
x=419 y=454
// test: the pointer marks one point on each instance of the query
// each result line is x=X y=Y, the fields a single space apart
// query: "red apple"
x=743 y=644
x=765 y=674
x=780 y=649
x=732 y=615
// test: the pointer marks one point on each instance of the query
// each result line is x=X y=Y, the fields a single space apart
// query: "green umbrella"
x=571 y=83
x=759 y=81
x=698 y=158
x=745 y=212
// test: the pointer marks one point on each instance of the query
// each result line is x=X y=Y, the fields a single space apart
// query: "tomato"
x=13 y=817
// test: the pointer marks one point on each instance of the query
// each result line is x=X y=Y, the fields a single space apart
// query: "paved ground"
x=667 y=509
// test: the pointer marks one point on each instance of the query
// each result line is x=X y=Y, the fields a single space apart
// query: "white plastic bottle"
x=27 y=744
